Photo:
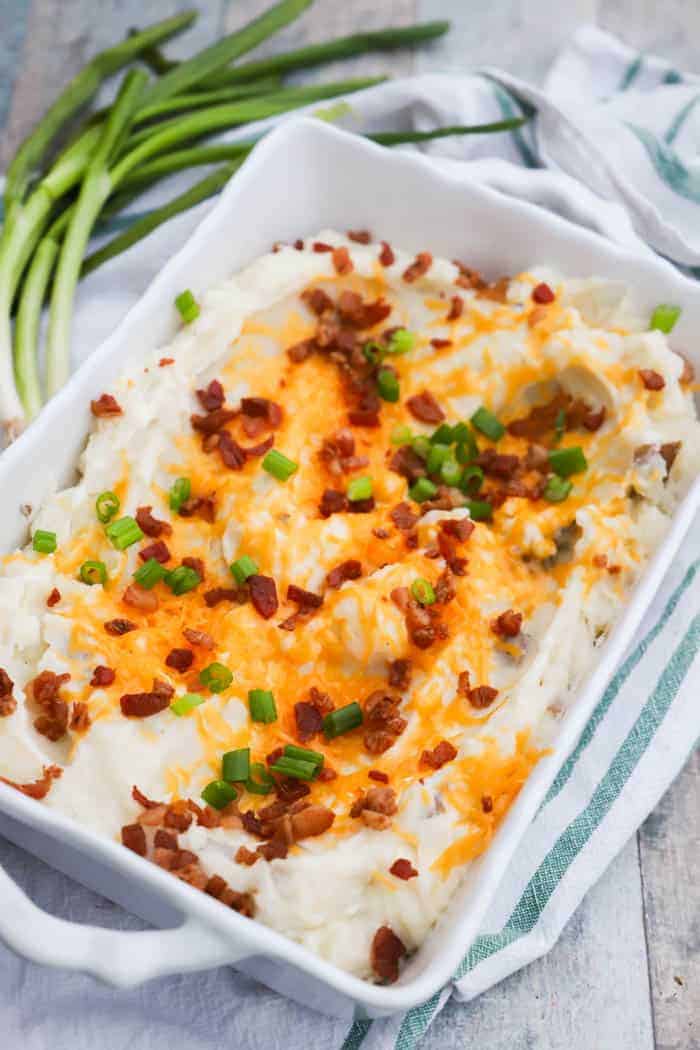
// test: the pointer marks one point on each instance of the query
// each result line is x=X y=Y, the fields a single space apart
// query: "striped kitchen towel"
x=628 y=127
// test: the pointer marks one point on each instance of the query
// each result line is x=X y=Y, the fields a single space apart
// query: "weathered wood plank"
x=14 y=15
x=669 y=846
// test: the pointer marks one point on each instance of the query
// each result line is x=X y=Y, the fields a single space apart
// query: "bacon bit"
x=317 y=300
x=36 y=789
x=482 y=696
x=424 y=407
x=440 y=344
x=203 y=507
x=364 y=417
x=105 y=405
x=308 y=719
x=593 y=420
x=165 y=840
x=178 y=816
x=53 y=598
x=353 y=310
x=8 y=703
x=263 y=595
x=180 y=659
x=342 y=261
x=44 y=689
x=143 y=800
x=408 y=464
x=197 y=565
x=382 y=721
x=102 y=676
x=359 y=236
x=246 y=856
x=419 y=624
x=243 y=903
x=448 y=549
x=200 y=638
x=456 y=308
x=468 y=277
x=321 y=246
x=403 y=869
x=333 y=502
x=386 y=255
x=542 y=293
x=376 y=774
x=400 y=674
x=688 y=373
x=347 y=570
x=652 y=380
x=224 y=594
x=232 y=455
x=445 y=590
x=80 y=717
x=134 y=838
x=507 y=624
x=486 y=804
x=143 y=705
x=337 y=453
x=165 y=361
x=262 y=408
x=669 y=451
x=379 y=803
x=386 y=952
x=213 y=421
x=299 y=352
x=305 y=599
x=158 y=550
x=418 y=268
x=311 y=821
x=439 y=756
x=212 y=397
x=496 y=292
x=459 y=528
x=362 y=506
x=150 y=525
x=600 y=561
x=139 y=598
x=299 y=244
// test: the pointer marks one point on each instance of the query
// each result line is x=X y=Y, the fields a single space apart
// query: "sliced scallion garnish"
x=180 y=492
x=149 y=574
x=259 y=781
x=436 y=457
x=423 y=591
x=422 y=489
x=294 y=767
x=401 y=434
x=421 y=446
x=216 y=678
x=218 y=794
x=304 y=754
x=92 y=572
x=277 y=464
x=479 y=510
x=472 y=480
x=342 y=720
x=187 y=306
x=400 y=341
x=182 y=579
x=444 y=435
x=359 y=488
x=107 y=505
x=485 y=421
x=235 y=765
x=664 y=317
x=262 y=705
x=186 y=703
x=557 y=489
x=567 y=461
x=44 y=542
x=388 y=385
x=243 y=567
x=124 y=532
x=451 y=472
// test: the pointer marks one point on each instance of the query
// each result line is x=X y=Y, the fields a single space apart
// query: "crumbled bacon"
x=364 y=417
x=386 y=952
x=445 y=590
x=140 y=598
x=308 y=719
x=498 y=464
x=80 y=717
x=456 y=308
x=376 y=774
x=105 y=405
x=482 y=696
x=243 y=903
x=212 y=397
x=310 y=822
x=424 y=407
x=263 y=595
x=44 y=689
x=262 y=408
x=382 y=721
x=542 y=293
x=143 y=800
x=165 y=361
x=8 y=703
x=359 y=236
x=342 y=262
x=333 y=502
x=652 y=380
x=400 y=674
x=347 y=570
x=200 y=638
x=376 y=807
x=468 y=277
x=203 y=507
x=143 y=705
x=543 y=418
x=180 y=659
x=418 y=268
x=507 y=624
x=158 y=550
x=419 y=623
x=403 y=869
x=232 y=455
x=178 y=816
x=447 y=547
x=317 y=300
x=496 y=292
x=53 y=598
x=321 y=247
x=164 y=839
x=459 y=528
x=444 y=752
x=337 y=453
x=360 y=314
x=246 y=856
x=102 y=676
x=36 y=789
x=408 y=464
x=487 y=803
x=134 y=838
x=305 y=599
x=150 y=525
x=403 y=517
x=224 y=594
x=440 y=344
x=386 y=255
x=213 y=422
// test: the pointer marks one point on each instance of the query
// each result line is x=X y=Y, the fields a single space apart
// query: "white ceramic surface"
x=304 y=176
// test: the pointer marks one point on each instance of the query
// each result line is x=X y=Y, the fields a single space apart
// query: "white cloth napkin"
x=628 y=127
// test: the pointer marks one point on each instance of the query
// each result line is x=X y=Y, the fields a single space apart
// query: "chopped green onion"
x=451 y=471
x=92 y=572
x=218 y=794
x=186 y=703
x=472 y=480
x=150 y=573
x=467 y=450
x=567 y=461
x=179 y=493
x=373 y=352
x=243 y=567
x=294 y=767
x=123 y=533
x=107 y=505
x=557 y=489
x=436 y=457
x=44 y=542
x=461 y=432
x=182 y=579
x=304 y=754
x=262 y=705
x=559 y=425
x=188 y=306
x=444 y=435
x=421 y=446
x=487 y=423
x=216 y=678
x=401 y=434
x=388 y=385
x=664 y=317
x=422 y=590
x=259 y=781
x=278 y=465
x=342 y=720
x=400 y=341
x=359 y=488
x=235 y=765
x=422 y=489
x=479 y=510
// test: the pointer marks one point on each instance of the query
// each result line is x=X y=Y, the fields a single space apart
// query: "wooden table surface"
x=626 y=972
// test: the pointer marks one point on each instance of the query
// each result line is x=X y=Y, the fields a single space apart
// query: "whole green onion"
x=216 y=678
x=664 y=317
x=180 y=492
x=219 y=793
x=186 y=703
x=150 y=573
x=479 y=510
x=187 y=306
x=182 y=579
x=567 y=461
x=44 y=542
x=243 y=567
x=423 y=591
x=487 y=423
x=342 y=720
x=107 y=505
x=557 y=489
x=92 y=572
x=422 y=489
x=277 y=464
x=235 y=765
x=124 y=532
x=262 y=705
x=388 y=385
x=359 y=489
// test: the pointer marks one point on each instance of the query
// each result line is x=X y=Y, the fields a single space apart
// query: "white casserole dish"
x=303 y=177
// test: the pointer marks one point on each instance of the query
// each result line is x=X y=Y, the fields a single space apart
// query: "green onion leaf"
x=44 y=542
x=218 y=794
x=180 y=492
x=262 y=705
x=235 y=765
x=487 y=423
x=557 y=489
x=401 y=434
x=444 y=435
x=150 y=573
x=107 y=505
x=567 y=461
x=388 y=385
x=451 y=472
x=294 y=767
x=472 y=480
x=304 y=754
x=182 y=579
x=400 y=341
x=92 y=572
x=436 y=457
x=259 y=781
x=467 y=449
x=479 y=510
x=422 y=489
x=186 y=703
x=243 y=567
x=422 y=590
x=216 y=678
x=359 y=488
x=664 y=317
x=421 y=446
x=187 y=306
x=279 y=465
x=123 y=533
x=342 y=720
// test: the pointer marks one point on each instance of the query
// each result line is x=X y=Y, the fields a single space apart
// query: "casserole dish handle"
x=120 y=957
